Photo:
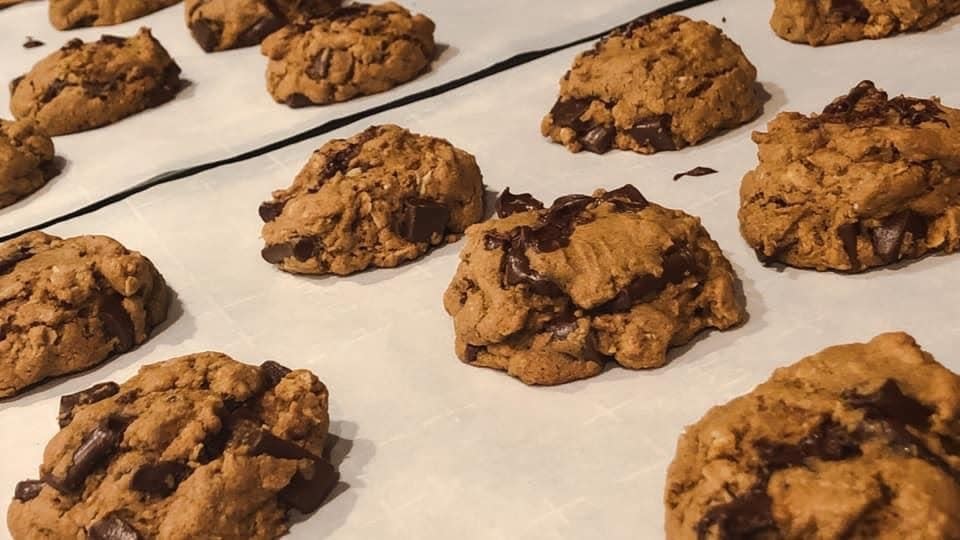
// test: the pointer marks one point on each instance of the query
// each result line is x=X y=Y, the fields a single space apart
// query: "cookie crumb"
x=723 y=19
x=696 y=171
x=31 y=43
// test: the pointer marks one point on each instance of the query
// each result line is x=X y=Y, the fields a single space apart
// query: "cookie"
x=26 y=160
x=380 y=198
x=88 y=85
x=858 y=441
x=67 y=14
x=357 y=50
x=8 y=3
x=659 y=84
x=200 y=446
x=550 y=295
x=218 y=25
x=866 y=183
x=69 y=304
x=823 y=22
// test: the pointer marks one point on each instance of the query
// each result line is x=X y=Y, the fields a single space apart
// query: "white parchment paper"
x=226 y=110
x=436 y=449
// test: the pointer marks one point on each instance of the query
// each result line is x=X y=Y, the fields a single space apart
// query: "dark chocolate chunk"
x=273 y=373
x=568 y=113
x=95 y=448
x=31 y=43
x=696 y=171
x=7 y=265
x=848 y=233
x=167 y=88
x=851 y=9
x=888 y=238
x=472 y=351
x=422 y=218
x=116 y=323
x=27 y=490
x=914 y=112
x=655 y=132
x=260 y=29
x=304 y=249
x=517 y=271
x=270 y=210
x=598 y=140
x=74 y=43
x=509 y=203
x=747 y=516
x=848 y=103
x=161 y=478
x=262 y=441
x=297 y=101
x=97 y=88
x=206 y=33
x=700 y=88
x=320 y=66
x=678 y=264
x=562 y=326
x=307 y=494
x=890 y=404
x=52 y=91
x=950 y=445
x=112 y=528
x=626 y=199
x=112 y=40
x=95 y=393
x=276 y=253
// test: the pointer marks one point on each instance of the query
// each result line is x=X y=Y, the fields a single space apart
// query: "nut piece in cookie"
x=69 y=304
x=858 y=441
x=67 y=14
x=26 y=160
x=655 y=85
x=200 y=446
x=549 y=295
x=357 y=50
x=379 y=198
x=868 y=182
x=823 y=22
x=88 y=85
x=218 y=25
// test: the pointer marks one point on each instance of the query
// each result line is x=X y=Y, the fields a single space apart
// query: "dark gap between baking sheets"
x=337 y=123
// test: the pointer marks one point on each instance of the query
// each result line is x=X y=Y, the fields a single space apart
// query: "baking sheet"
x=226 y=110
x=437 y=449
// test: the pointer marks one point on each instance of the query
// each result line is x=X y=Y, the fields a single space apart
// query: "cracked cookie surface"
x=218 y=25
x=67 y=14
x=868 y=182
x=823 y=22
x=88 y=85
x=379 y=198
x=551 y=295
x=69 y=304
x=357 y=50
x=858 y=442
x=26 y=160
x=200 y=446
x=659 y=84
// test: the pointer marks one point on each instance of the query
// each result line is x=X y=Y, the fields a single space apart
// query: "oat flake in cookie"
x=552 y=294
x=357 y=50
x=69 y=304
x=380 y=198
x=26 y=160
x=67 y=14
x=200 y=446
x=219 y=25
x=823 y=22
x=857 y=442
x=87 y=85
x=659 y=84
x=868 y=182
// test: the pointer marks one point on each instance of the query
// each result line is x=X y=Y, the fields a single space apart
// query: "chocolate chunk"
x=15 y=82
x=307 y=494
x=562 y=326
x=700 y=88
x=890 y=404
x=271 y=210
x=472 y=351
x=276 y=253
x=320 y=66
x=262 y=441
x=74 y=43
x=94 y=449
x=626 y=199
x=557 y=224
x=31 y=43
x=97 y=88
x=161 y=478
x=95 y=393
x=52 y=91
x=297 y=101
x=950 y=445
x=206 y=33
x=568 y=113
x=509 y=203
x=112 y=528
x=888 y=238
x=214 y=443
x=696 y=171
x=744 y=517
x=848 y=103
x=168 y=87
x=340 y=160
x=262 y=28
x=828 y=441
x=848 y=233
x=851 y=9
x=27 y=490
x=116 y=323
x=914 y=112
x=305 y=249
x=654 y=132
x=7 y=265
x=273 y=373
x=598 y=140
x=517 y=271
x=424 y=218
x=678 y=264
x=112 y=40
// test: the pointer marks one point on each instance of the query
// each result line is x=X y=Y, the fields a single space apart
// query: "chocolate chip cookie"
x=67 y=14
x=859 y=441
x=357 y=50
x=379 y=198
x=655 y=85
x=823 y=22
x=200 y=446
x=69 y=304
x=866 y=183
x=88 y=85
x=549 y=295
x=26 y=160
x=219 y=25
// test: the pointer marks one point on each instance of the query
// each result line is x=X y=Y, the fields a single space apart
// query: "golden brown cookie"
x=200 y=446
x=868 y=182
x=659 y=84
x=551 y=295
x=67 y=14
x=218 y=25
x=26 y=160
x=857 y=442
